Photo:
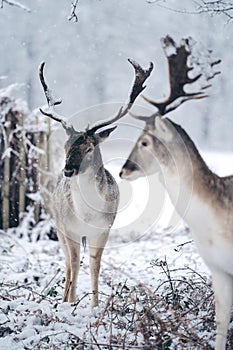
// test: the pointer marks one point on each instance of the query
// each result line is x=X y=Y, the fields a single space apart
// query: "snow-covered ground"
x=155 y=291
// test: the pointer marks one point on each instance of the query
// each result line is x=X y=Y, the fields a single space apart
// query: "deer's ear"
x=102 y=135
x=163 y=129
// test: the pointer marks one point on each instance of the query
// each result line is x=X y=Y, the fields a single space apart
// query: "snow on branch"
x=212 y=7
x=216 y=7
x=14 y=3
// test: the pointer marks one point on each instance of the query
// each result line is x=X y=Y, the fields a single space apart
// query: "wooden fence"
x=24 y=152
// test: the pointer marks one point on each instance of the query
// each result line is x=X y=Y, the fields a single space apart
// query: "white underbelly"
x=75 y=227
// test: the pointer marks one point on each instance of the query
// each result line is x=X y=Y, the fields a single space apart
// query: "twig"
x=5 y=298
x=79 y=301
x=73 y=16
x=180 y=246
x=50 y=281
x=25 y=286
x=217 y=7
x=111 y=318
x=105 y=345
x=16 y=4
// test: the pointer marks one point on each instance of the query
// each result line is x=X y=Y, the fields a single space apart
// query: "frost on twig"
x=14 y=3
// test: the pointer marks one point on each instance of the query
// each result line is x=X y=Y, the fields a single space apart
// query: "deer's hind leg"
x=96 y=248
x=223 y=290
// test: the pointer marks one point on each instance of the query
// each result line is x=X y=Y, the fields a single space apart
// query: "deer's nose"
x=121 y=173
x=128 y=168
x=68 y=173
x=125 y=173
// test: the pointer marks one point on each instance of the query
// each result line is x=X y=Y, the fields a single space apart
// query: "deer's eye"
x=144 y=143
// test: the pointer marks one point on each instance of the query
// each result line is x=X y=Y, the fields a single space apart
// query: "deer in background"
x=203 y=199
x=86 y=195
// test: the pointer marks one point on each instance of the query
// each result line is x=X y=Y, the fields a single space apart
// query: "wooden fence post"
x=6 y=177
x=22 y=170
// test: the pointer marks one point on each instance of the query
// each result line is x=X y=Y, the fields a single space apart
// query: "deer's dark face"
x=82 y=151
x=79 y=150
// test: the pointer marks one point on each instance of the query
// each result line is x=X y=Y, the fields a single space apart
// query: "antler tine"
x=148 y=119
x=178 y=75
x=51 y=102
x=140 y=77
x=190 y=97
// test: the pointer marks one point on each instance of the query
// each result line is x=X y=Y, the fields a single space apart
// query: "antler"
x=51 y=102
x=140 y=77
x=178 y=76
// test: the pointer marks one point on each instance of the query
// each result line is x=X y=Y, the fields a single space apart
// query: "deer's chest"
x=85 y=209
x=87 y=202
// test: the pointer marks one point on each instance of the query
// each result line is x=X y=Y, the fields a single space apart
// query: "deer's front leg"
x=96 y=248
x=223 y=291
x=72 y=270
x=64 y=245
x=67 y=280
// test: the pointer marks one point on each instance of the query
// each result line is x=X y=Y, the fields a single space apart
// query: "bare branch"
x=217 y=7
x=73 y=16
x=16 y=4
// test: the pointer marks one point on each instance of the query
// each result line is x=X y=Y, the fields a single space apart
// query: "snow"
x=9 y=100
x=7 y=153
x=11 y=90
x=137 y=273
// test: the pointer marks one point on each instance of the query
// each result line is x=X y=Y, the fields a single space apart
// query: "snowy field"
x=155 y=291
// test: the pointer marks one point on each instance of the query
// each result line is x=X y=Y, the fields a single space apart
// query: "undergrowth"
x=178 y=314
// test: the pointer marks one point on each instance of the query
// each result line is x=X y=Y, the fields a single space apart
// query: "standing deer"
x=86 y=195
x=202 y=198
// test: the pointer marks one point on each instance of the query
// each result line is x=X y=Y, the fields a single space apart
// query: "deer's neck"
x=90 y=188
x=97 y=168
x=94 y=175
x=188 y=179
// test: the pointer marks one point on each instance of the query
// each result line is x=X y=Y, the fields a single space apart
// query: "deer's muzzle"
x=68 y=173
x=128 y=169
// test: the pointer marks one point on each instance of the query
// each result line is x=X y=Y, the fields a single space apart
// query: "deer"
x=203 y=199
x=86 y=195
